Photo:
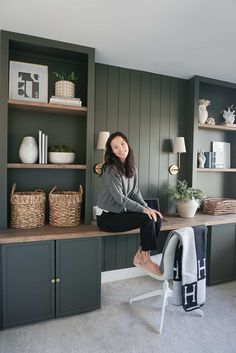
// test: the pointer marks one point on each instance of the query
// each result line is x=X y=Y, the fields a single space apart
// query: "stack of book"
x=66 y=101
x=43 y=148
x=210 y=160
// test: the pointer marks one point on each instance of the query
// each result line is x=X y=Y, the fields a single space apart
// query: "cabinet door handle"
x=58 y=280
x=53 y=280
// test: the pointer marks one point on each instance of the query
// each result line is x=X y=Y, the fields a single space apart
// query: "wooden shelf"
x=218 y=127
x=217 y=170
x=47 y=107
x=45 y=166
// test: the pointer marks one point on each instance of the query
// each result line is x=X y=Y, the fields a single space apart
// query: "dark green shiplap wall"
x=150 y=110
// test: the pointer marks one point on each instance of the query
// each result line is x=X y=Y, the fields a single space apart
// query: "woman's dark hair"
x=110 y=159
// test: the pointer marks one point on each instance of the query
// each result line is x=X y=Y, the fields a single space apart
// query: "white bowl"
x=61 y=157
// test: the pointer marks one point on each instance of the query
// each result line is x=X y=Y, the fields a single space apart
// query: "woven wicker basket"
x=65 y=207
x=218 y=206
x=27 y=209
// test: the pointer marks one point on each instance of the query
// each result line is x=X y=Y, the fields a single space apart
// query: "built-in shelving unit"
x=45 y=166
x=217 y=170
x=218 y=127
x=63 y=124
x=215 y=182
x=47 y=107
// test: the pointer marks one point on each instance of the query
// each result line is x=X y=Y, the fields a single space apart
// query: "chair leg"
x=147 y=295
x=166 y=292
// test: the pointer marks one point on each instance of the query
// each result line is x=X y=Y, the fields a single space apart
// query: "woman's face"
x=120 y=148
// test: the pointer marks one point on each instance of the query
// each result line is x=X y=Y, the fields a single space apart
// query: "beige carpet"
x=124 y=328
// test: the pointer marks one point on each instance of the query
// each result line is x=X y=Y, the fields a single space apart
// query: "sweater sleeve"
x=136 y=194
x=113 y=185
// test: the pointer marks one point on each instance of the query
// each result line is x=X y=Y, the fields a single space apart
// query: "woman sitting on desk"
x=123 y=206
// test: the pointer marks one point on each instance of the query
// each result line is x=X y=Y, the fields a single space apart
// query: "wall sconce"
x=178 y=147
x=101 y=145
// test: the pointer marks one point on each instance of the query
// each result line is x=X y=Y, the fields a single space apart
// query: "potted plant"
x=187 y=198
x=65 y=84
x=61 y=154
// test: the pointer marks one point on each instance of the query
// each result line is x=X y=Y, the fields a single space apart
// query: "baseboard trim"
x=124 y=273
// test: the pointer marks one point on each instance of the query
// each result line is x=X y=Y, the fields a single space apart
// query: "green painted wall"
x=150 y=110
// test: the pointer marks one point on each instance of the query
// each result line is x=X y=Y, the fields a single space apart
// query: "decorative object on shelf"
x=65 y=207
x=202 y=108
x=28 y=81
x=61 y=154
x=66 y=101
x=65 y=85
x=27 y=209
x=201 y=159
x=43 y=148
x=217 y=206
x=178 y=147
x=28 y=151
x=229 y=115
x=187 y=198
x=101 y=145
x=210 y=121
x=222 y=154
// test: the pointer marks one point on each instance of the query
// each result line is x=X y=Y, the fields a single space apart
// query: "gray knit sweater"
x=120 y=193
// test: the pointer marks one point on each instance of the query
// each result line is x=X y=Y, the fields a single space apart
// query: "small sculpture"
x=202 y=107
x=210 y=121
x=201 y=159
x=229 y=115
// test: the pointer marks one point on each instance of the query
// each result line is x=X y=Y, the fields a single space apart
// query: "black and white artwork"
x=28 y=81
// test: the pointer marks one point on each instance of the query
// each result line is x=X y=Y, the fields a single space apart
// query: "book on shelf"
x=66 y=101
x=222 y=154
x=210 y=159
x=43 y=148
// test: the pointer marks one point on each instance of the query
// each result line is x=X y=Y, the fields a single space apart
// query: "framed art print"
x=28 y=81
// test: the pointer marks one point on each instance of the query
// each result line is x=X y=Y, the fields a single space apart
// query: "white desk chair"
x=166 y=292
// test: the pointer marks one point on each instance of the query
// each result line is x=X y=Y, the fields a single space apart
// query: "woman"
x=123 y=206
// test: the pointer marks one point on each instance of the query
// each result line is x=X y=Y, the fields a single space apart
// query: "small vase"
x=28 y=151
x=203 y=113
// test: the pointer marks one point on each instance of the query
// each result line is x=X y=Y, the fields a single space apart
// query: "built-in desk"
x=84 y=231
x=49 y=272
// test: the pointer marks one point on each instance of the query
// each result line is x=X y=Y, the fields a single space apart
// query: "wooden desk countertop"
x=84 y=231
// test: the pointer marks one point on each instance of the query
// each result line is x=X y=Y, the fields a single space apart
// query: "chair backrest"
x=168 y=257
x=153 y=203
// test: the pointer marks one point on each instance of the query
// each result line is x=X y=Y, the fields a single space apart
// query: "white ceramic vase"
x=187 y=209
x=28 y=151
x=203 y=113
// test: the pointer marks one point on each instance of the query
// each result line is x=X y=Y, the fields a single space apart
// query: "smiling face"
x=120 y=148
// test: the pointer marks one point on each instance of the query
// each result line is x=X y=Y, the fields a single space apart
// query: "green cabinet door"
x=27 y=292
x=78 y=275
x=221 y=253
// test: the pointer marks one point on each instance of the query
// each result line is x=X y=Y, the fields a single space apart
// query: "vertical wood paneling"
x=155 y=114
x=112 y=98
x=144 y=147
x=100 y=119
x=164 y=141
x=123 y=105
x=134 y=113
x=148 y=108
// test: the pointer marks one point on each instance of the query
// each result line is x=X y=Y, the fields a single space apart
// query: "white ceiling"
x=179 y=38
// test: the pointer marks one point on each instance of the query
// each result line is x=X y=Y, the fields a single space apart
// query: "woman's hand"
x=152 y=214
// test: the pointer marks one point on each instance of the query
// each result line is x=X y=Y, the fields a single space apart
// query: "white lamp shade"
x=179 y=145
x=102 y=139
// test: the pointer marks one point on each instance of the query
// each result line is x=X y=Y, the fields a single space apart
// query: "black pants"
x=124 y=221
